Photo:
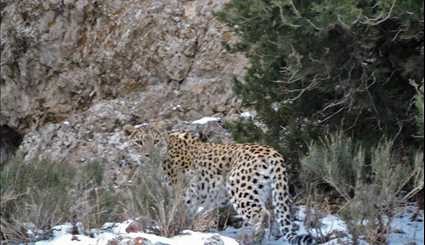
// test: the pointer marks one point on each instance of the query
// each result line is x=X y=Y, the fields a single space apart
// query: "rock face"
x=61 y=56
x=75 y=71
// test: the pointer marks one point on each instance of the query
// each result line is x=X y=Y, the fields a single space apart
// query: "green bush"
x=321 y=66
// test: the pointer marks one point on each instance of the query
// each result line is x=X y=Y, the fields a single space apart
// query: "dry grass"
x=33 y=195
x=161 y=208
x=149 y=199
x=43 y=194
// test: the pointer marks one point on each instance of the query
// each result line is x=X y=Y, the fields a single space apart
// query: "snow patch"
x=141 y=125
x=188 y=237
x=177 y=107
x=248 y=115
x=206 y=120
x=407 y=231
x=66 y=239
x=275 y=106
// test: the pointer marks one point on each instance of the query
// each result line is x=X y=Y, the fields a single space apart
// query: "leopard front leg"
x=206 y=192
x=193 y=197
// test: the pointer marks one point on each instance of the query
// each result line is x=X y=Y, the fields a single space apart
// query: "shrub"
x=371 y=187
x=336 y=162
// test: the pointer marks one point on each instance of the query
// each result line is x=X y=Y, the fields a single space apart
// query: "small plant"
x=150 y=199
x=96 y=202
x=335 y=162
x=372 y=185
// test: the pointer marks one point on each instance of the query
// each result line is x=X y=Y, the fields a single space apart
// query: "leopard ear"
x=201 y=136
x=187 y=135
x=128 y=129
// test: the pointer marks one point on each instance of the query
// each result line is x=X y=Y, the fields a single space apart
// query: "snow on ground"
x=248 y=115
x=206 y=120
x=110 y=232
x=404 y=231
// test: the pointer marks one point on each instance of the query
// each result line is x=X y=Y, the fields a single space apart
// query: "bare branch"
x=333 y=115
x=380 y=19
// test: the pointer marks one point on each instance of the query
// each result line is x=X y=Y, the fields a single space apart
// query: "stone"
x=214 y=240
x=134 y=227
x=112 y=242
x=141 y=241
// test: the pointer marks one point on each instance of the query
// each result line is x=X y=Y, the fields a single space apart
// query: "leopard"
x=253 y=178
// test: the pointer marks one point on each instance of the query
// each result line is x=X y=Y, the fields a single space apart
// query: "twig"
x=400 y=129
x=379 y=20
x=284 y=20
x=298 y=14
x=333 y=115
x=302 y=91
x=334 y=185
x=334 y=104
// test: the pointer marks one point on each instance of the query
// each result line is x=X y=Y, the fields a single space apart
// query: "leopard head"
x=146 y=138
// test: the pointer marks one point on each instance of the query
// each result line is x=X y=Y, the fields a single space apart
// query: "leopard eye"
x=139 y=142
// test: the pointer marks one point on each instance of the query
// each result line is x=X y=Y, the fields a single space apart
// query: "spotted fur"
x=250 y=176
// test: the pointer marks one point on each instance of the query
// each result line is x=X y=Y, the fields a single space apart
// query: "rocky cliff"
x=75 y=71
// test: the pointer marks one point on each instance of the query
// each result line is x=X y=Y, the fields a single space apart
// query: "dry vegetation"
x=43 y=194
x=370 y=186
x=150 y=200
